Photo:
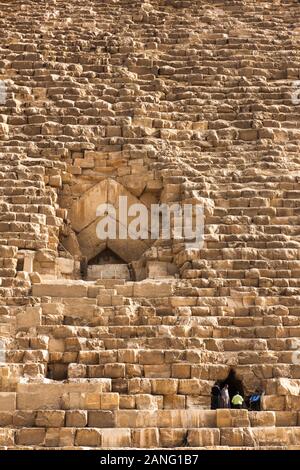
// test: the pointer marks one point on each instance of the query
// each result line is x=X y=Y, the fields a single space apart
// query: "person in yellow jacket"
x=237 y=400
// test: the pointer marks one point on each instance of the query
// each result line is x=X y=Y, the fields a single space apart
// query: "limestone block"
x=31 y=317
x=7 y=437
x=232 y=437
x=248 y=134
x=24 y=419
x=7 y=401
x=152 y=289
x=84 y=210
x=116 y=438
x=114 y=370
x=108 y=271
x=109 y=401
x=164 y=386
x=276 y=436
x=88 y=438
x=157 y=269
x=8 y=251
x=181 y=371
x=66 y=437
x=52 y=438
x=189 y=386
x=55 y=181
x=288 y=386
x=27 y=436
x=273 y=402
x=146 y=402
x=53 y=308
x=151 y=357
x=172 y=437
x=76 y=418
x=91 y=401
x=231 y=417
x=292 y=402
x=157 y=371
x=76 y=371
x=104 y=300
x=56 y=345
x=101 y=419
x=139 y=386
x=186 y=418
x=262 y=418
x=203 y=437
x=127 y=355
x=88 y=357
x=35 y=278
x=145 y=438
x=127 y=402
x=50 y=419
x=286 y=418
x=6 y=418
x=27 y=401
x=79 y=307
x=172 y=402
x=136 y=418
x=66 y=265
x=59 y=290
x=126 y=290
x=135 y=185
x=106 y=357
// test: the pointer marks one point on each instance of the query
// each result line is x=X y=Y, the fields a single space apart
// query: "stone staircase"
x=111 y=366
x=187 y=101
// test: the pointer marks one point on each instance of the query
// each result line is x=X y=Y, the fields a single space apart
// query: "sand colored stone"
x=187 y=102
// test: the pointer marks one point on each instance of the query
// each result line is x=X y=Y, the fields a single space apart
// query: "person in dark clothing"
x=255 y=400
x=215 y=396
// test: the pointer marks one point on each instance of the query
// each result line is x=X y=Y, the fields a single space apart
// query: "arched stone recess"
x=84 y=221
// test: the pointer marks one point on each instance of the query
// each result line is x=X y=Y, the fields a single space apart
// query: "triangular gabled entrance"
x=84 y=222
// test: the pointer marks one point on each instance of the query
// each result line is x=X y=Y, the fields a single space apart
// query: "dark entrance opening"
x=107 y=265
x=234 y=384
x=106 y=256
x=57 y=371
x=20 y=264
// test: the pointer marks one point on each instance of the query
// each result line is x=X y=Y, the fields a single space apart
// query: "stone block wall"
x=167 y=101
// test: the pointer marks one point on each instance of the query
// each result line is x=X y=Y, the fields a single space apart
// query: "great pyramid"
x=117 y=343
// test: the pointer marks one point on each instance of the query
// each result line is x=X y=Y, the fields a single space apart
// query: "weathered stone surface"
x=7 y=401
x=172 y=437
x=231 y=418
x=204 y=437
x=50 y=419
x=152 y=289
x=31 y=317
x=101 y=419
x=30 y=436
x=7 y=437
x=76 y=418
x=88 y=437
x=145 y=438
x=117 y=341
